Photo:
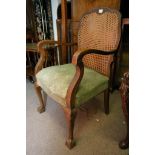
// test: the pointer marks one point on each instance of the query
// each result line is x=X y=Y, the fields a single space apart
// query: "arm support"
x=77 y=57
x=41 y=48
x=77 y=60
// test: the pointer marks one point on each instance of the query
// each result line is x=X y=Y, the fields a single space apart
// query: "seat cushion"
x=55 y=81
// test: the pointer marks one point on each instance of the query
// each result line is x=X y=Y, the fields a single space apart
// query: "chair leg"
x=124 y=144
x=106 y=101
x=30 y=78
x=41 y=108
x=70 y=117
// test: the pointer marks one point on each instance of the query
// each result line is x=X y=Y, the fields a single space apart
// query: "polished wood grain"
x=64 y=31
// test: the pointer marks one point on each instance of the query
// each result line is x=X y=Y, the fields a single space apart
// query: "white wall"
x=55 y=4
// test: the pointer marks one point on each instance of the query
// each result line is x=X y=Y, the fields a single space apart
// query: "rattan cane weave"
x=99 y=31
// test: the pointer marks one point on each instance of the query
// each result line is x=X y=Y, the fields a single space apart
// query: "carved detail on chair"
x=124 y=90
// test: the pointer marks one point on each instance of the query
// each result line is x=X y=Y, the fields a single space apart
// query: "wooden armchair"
x=71 y=85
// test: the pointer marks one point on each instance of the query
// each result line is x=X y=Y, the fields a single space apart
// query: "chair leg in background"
x=124 y=91
x=70 y=117
x=106 y=101
x=41 y=108
x=30 y=78
x=124 y=144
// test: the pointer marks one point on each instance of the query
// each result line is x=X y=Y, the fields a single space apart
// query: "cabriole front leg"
x=70 y=118
x=41 y=108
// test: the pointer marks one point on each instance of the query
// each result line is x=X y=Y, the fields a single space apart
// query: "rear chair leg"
x=70 y=117
x=41 y=108
x=106 y=101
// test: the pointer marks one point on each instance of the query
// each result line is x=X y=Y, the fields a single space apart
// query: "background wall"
x=55 y=4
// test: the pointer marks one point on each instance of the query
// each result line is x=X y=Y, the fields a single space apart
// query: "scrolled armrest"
x=77 y=61
x=42 y=45
x=41 y=48
x=78 y=55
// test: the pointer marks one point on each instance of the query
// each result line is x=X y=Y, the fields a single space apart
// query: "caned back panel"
x=99 y=29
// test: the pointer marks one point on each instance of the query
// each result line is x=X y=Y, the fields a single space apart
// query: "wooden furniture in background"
x=39 y=26
x=31 y=30
x=123 y=55
x=31 y=48
x=32 y=57
x=64 y=31
x=71 y=85
x=124 y=90
x=59 y=30
x=70 y=45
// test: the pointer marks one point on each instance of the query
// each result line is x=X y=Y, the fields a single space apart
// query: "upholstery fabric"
x=55 y=81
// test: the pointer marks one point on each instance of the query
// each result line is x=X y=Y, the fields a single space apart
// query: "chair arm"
x=41 y=44
x=78 y=55
x=77 y=60
x=43 y=54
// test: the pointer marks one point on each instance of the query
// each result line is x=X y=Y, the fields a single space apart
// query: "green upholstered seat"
x=55 y=81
